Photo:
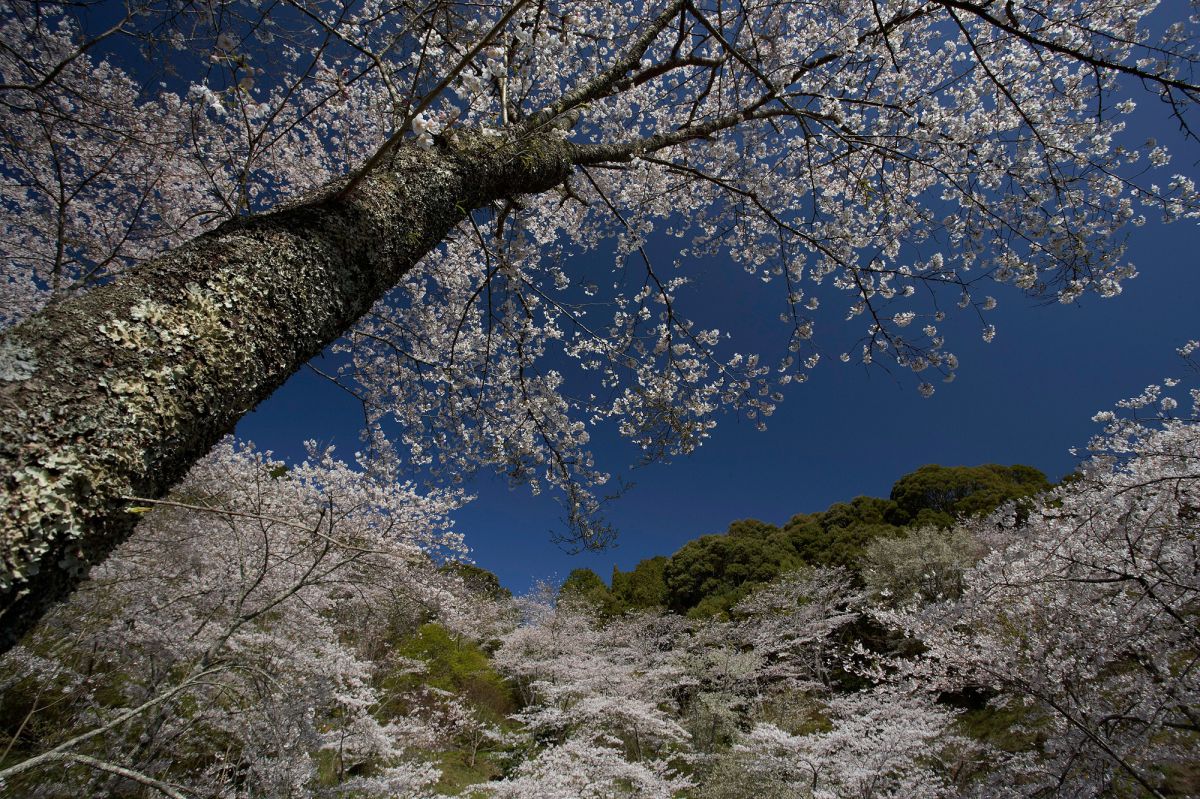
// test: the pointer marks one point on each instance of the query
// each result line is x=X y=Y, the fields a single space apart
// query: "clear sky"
x=1025 y=398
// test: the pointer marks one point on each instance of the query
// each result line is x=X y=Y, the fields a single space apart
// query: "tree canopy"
x=938 y=495
x=197 y=199
x=709 y=575
x=244 y=649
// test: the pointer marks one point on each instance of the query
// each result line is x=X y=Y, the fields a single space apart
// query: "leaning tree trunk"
x=116 y=392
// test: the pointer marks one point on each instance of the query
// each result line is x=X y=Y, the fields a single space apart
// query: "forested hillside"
x=712 y=573
x=289 y=632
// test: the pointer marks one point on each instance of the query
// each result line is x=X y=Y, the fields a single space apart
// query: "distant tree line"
x=712 y=573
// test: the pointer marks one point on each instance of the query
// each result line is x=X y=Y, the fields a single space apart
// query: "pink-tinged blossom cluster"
x=1080 y=622
x=878 y=162
x=240 y=624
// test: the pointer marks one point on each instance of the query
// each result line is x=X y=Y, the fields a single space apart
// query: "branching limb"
x=58 y=751
x=388 y=146
x=603 y=83
x=120 y=771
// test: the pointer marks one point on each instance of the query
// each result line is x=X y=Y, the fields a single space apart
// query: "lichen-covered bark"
x=117 y=392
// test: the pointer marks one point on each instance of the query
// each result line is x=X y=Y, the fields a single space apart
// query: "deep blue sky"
x=1026 y=398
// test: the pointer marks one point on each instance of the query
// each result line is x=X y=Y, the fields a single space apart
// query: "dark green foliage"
x=940 y=494
x=838 y=536
x=750 y=528
x=710 y=574
x=718 y=570
x=585 y=584
x=481 y=581
x=641 y=589
x=644 y=587
x=582 y=582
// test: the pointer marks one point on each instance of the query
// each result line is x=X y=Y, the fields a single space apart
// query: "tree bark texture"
x=116 y=392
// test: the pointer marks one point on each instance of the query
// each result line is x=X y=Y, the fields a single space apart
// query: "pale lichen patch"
x=137 y=378
x=44 y=505
x=17 y=361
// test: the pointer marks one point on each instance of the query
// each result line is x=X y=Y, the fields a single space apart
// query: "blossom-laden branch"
x=880 y=162
x=242 y=631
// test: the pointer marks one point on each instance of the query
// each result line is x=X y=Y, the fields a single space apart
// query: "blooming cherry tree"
x=1081 y=621
x=614 y=681
x=881 y=743
x=791 y=623
x=227 y=647
x=580 y=768
x=416 y=183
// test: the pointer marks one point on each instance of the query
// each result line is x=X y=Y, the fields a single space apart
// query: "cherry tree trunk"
x=116 y=392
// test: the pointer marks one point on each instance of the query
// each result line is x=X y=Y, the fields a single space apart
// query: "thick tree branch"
x=598 y=86
x=1008 y=25
x=120 y=771
x=116 y=392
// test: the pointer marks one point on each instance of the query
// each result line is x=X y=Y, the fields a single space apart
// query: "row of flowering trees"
x=285 y=632
x=1051 y=649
